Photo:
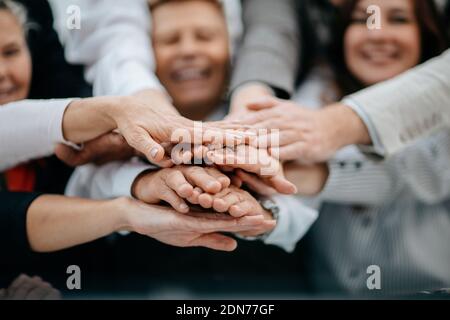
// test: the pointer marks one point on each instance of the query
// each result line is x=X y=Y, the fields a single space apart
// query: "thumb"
x=141 y=140
x=215 y=241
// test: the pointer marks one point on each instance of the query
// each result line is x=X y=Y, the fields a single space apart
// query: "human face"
x=15 y=60
x=373 y=56
x=190 y=41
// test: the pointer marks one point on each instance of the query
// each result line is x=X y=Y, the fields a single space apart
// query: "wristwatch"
x=268 y=205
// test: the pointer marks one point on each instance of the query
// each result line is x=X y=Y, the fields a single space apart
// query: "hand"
x=177 y=184
x=185 y=230
x=240 y=203
x=257 y=161
x=309 y=179
x=145 y=120
x=306 y=135
x=245 y=95
x=107 y=148
x=27 y=288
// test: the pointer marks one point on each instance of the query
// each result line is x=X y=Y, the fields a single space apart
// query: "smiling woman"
x=15 y=60
x=411 y=33
x=191 y=45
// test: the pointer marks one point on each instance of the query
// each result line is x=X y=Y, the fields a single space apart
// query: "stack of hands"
x=192 y=204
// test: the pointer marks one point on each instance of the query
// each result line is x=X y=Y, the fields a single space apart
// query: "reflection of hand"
x=306 y=135
x=186 y=230
x=257 y=161
x=177 y=184
x=27 y=288
x=107 y=148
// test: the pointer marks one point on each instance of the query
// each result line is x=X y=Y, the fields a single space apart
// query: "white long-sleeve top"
x=29 y=129
x=113 y=42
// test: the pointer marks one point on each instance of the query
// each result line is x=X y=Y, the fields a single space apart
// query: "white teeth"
x=189 y=74
x=378 y=56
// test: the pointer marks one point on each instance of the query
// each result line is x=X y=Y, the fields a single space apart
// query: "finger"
x=68 y=155
x=295 y=151
x=219 y=176
x=38 y=293
x=255 y=118
x=255 y=183
x=242 y=208
x=229 y=125
x=266 y=226
x=198 y=176
x=53 y=294
x=178 y=183
x=282 y=185
x=205 y=133
x=182 y=154
x=223 y=204
x=141 y=140
x=234 y=161
x=18 y=282
x=169 y=196
x=236 y=181
x=215 y=241
x=22 y=291
x=263 y=103
x=195 y=194
x=205 y=200
x=200 y=152
x=209 y=222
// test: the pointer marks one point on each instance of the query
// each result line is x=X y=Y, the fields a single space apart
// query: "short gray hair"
x=19 y=11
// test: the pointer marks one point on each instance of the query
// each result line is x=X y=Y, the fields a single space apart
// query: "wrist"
x=139 y=187
x=158 y=98
x=354 y=130
x=122 y=214
x=246 y=93
x=98 y=111
x=348 y=127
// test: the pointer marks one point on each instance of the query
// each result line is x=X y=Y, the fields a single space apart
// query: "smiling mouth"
x=191 y=74
x=5 y=93
x=380 y=56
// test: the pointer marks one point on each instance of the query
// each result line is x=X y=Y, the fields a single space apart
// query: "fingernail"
x=212 y=185
x=154 y=152
x=184 y=207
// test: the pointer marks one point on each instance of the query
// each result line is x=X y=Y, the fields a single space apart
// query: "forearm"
x=108 y=181
x=87 y=119
x=347 y=128
x=113 y=45
x=29 y=129
x=56 y=222
x=274 y=62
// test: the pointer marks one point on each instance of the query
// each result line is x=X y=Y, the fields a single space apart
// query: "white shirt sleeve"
x=113 y=43
x=108 y=181
x=29 y=129
x=294 y=220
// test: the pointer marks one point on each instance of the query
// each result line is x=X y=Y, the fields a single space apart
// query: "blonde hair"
x=18 y=11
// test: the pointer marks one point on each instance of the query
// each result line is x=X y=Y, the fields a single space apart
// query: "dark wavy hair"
x=432 y=30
